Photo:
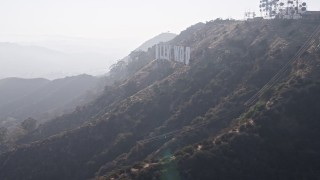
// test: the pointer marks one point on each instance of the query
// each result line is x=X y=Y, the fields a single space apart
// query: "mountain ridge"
x=163 y=37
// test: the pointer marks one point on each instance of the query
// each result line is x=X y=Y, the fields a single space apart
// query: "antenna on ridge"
x=249 y=15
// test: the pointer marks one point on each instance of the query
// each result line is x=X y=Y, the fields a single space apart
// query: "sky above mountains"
x=122 y=19
x=107 y=28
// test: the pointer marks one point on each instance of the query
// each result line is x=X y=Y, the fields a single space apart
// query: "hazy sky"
x=113 y=19
x=120 y=25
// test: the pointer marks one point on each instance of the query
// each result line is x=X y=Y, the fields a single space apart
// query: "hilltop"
x=166 y=120
x=163 y=37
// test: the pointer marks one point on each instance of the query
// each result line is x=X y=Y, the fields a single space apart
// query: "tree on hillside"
x=3 y=134
x=118 y=70
x=29 y=124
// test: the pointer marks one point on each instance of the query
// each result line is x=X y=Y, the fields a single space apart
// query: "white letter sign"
x=173 y=53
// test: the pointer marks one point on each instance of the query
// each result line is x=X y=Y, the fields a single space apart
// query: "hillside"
x=117 y=89
x=269 y=144
x=191 y=122
x=112 y=95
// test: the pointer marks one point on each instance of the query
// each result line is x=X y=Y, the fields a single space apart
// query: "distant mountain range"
x=35 y=61
x=44 y=99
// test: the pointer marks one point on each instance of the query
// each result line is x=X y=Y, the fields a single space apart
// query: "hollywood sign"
x=173 y=53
